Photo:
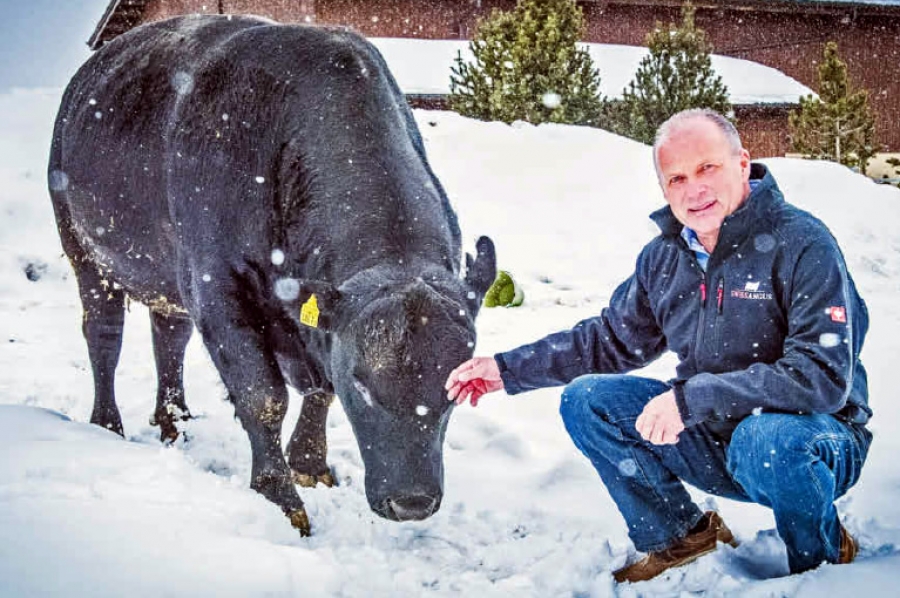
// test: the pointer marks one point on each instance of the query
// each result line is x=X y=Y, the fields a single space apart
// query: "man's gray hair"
x=678 y=120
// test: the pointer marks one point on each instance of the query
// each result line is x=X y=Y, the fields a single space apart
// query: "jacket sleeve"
x=826 y=321
x=623 y=337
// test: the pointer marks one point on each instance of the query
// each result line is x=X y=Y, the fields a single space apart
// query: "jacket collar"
x=753 y=213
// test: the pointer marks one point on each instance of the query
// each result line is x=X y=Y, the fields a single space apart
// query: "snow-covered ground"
x=85 y=513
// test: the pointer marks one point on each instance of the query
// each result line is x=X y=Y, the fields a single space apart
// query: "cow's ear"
x=317 y=303
x=480 y=271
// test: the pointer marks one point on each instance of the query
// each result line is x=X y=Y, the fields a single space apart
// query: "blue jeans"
x=795 y=464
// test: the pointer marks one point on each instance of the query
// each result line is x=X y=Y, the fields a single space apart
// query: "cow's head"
x=394 y=341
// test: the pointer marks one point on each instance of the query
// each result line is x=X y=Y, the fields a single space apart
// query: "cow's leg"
x=170 y=337
x=255 y=386
x=308 y=449
x=103 y=316
x=102 y=324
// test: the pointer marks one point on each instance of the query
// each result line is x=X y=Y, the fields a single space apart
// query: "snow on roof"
x=423 y=67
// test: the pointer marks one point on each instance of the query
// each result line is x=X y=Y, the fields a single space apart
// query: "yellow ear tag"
x=309 y=312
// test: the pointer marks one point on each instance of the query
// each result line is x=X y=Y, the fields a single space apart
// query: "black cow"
x=267 y=183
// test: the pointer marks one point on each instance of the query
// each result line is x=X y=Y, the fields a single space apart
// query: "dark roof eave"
x=95 y=41
x=782 y=105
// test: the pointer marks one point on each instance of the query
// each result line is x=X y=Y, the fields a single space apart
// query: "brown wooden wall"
x=763 y=128
x=791 y=42
x=161 y=9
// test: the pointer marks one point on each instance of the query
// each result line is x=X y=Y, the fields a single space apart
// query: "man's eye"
x=707 y=167
x=675 y=180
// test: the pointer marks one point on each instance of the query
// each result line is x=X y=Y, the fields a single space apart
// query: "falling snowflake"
x=59 y=181
x=183 y=83
x=287 y=289
x=764 y=243
x=628 y=468
x=829 y=339
x=551 y=100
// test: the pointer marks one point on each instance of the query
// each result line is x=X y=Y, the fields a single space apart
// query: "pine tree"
x=838 y=125
x=676 y=75
x=528 y=67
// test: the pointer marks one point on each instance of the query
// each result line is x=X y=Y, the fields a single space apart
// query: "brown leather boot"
x=710 y=529
x=849 y=547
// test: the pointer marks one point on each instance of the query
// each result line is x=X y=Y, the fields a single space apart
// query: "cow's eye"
x=363 y=392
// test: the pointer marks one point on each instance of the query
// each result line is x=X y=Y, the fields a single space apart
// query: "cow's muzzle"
x=409 y=508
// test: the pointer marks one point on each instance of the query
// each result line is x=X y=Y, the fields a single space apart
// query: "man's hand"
x=660 y=422
x=474 y=378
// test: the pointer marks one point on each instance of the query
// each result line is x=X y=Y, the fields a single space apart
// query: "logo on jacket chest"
x=752 y=290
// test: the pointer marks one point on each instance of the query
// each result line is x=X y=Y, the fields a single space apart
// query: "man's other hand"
x=473 y=379
x=660 y=422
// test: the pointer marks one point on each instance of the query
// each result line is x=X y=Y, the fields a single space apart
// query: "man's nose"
x=696 y=191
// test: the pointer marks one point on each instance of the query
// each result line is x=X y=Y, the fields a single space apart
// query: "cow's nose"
x=412 y=508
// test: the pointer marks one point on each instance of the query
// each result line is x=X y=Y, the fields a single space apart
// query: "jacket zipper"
x=720 y=294
x=700 y=322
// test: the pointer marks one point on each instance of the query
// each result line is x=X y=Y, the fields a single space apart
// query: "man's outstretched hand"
x=472 y=380
x=660 y=422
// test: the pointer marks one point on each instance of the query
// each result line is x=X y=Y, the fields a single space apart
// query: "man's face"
x=702 y=178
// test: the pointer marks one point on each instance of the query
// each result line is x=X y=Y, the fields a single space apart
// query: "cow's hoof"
x=310 y=481
x=165 y=419
x=110 y=421
x=300 y=521
x=168 y=431
x=170 y=414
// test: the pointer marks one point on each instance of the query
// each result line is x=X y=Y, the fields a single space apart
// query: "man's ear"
x=316 y=304
x=480 y=272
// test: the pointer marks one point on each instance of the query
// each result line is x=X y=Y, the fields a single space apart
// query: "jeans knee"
x=575 y=402
x=767 y=453
x=596 y=399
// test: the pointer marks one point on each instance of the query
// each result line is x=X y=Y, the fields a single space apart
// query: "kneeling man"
x=770 y=401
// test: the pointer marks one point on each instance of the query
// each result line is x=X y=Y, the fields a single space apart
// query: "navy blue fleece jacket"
x=774 y=324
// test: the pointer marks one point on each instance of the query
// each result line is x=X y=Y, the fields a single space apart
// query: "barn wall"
x=790 y=42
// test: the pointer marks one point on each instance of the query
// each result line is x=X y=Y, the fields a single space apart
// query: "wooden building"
x=788 y=35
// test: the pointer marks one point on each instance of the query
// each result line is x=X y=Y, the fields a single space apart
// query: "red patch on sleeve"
x=838 y=314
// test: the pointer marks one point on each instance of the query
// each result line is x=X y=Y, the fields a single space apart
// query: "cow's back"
x=109 y=160
x=213 y=139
